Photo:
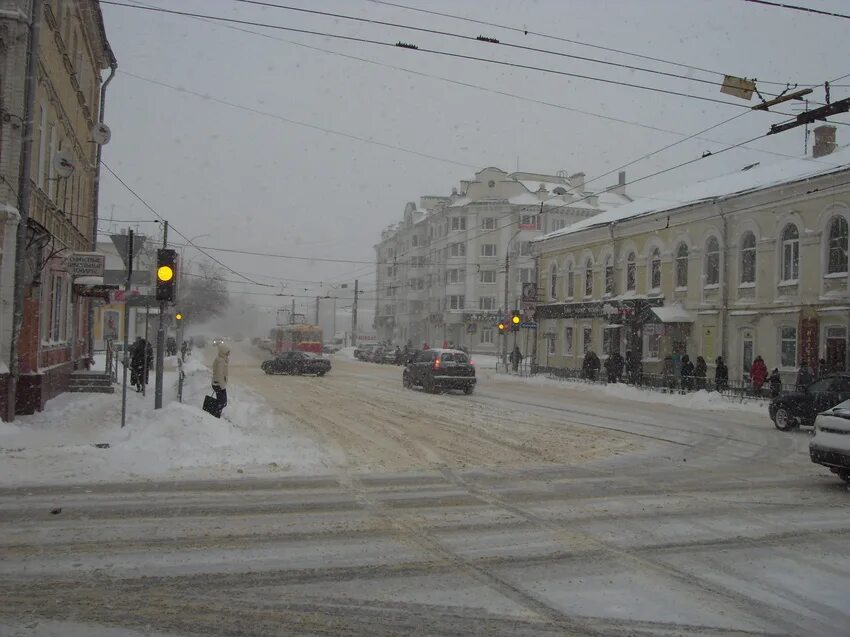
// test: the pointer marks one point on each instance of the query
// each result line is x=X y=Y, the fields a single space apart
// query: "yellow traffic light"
x=178 y=316
x=515 y=319
x=501 y=326
x=165 y=273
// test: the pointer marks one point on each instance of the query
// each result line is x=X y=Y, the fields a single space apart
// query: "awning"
x=88 y=280
x=92 y=287
x=673 y=314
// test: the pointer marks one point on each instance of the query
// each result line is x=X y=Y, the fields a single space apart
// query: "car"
x=438 y=370
x=297 y=363
x=364 y=352
x=376 y=355
x=801 y=407
x=218 y=341
x=387 y=356
x=830 y=446
x=265 y=344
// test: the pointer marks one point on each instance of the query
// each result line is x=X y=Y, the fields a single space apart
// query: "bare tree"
x=204 y=295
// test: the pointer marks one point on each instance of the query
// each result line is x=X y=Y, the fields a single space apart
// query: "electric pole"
x=317 y=310
x=354 y=314
x=130 y=253
x=160 y=336
x=507 y=292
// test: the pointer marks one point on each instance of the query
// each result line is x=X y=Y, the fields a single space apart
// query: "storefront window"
x=652 y=340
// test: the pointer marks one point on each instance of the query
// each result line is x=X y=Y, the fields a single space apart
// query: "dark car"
x=297 y=363
x=388 y=356
x=440 y=369
x=792 y=409
x=363 y=352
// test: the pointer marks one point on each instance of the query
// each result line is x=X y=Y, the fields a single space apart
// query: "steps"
x=90 y=382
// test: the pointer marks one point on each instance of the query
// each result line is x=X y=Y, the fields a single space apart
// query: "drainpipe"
x=113 y=66
x=24 y=194
x=724 y=295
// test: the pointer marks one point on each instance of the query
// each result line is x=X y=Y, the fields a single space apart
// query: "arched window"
x=553 y=282
x=712 y=261
x=571 y=284
x=790 y=253
x=837 y=263
x=588 y=277
x=609 y=275
x=748 y=258
x=655 y=270
x=631 y=272
x=682 y=265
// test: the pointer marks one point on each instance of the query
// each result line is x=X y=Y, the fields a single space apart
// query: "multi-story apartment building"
x=441 y=270
x=750 y=263
x=71 y=53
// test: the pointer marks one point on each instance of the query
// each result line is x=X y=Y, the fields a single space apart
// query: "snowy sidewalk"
x=78 y=438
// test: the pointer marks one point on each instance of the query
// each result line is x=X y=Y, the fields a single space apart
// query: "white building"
x=441 y=270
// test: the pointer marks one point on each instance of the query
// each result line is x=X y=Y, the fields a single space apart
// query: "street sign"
x=85 y=264
x=120 y=242
x=738 y=87
x=530 y=325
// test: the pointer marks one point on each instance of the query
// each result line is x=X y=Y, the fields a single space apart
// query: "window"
x=652 y=340
x=631 y=272
x=487 y=336
x=488 y=223
x=588 y=277
x=51 y=150
x=682 y=266
x=455 y=302
x=488 y=249
x=837 y=259
x=531 y=221
x=559 y=224
x=790 y=253
x=57 y=310
x=525 y=275
x=414 y=241
x=606 y=341
x=748 y=258
x=568 y=341
x=587 y=339
x=458 y=223
x=712 y=261
x=788 y=346
x=553 y=283
x=525 y=248
x=487 y=303
x=655 y=270
x=571 y=283
x=487 y=276
x=41 y=158
x=551 y=344
x=454 y=275
x=457 y=250
x=609 y=275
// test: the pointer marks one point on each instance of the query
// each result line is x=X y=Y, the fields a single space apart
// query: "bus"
x=296 y=337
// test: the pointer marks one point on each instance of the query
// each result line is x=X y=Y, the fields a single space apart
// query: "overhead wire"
x=796 y=7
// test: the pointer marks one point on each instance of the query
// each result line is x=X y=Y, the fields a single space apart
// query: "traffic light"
x=178 y=316
x=516 y=319
x=502 y=327
x=166 y=275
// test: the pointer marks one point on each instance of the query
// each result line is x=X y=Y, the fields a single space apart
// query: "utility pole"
x=24 y=192
x=160 y=337
x=130 y=254
x=507 y=291
x=354 y=314
x=292 y=313
x=317 y=310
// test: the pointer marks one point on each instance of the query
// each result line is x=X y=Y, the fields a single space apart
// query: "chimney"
x=620 y=188
x=578 y=181
x=824 y=141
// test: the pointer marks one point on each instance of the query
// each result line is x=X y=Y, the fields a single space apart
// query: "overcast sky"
x=252 y=181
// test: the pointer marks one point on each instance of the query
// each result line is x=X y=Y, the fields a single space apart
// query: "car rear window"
x=456 y=357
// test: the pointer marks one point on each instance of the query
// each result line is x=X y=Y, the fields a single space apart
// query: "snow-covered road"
x=529 y=508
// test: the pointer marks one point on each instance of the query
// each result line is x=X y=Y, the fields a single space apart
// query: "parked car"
x=440 y=369
x=376 y=355
x=387 y=356
x=831 y=445
x=796 y=408
x=297 y=363
x=364 y=352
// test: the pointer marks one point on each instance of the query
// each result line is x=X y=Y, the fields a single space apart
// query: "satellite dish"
x=63 y=164
x=101 y=134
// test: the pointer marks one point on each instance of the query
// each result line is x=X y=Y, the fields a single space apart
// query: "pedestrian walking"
x=219 y=378
x=137 y=363
x=804 y=376
x=721 y=375
x=184 y=349
x=700 y=373
x=591 y=366
x=758 y=374
x=398 y=356
x=614 y=367
x=516 y=358
x=687 y=373
x=774 y=381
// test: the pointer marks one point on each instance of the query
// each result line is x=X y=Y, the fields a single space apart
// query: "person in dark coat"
x=614 y=367
x=721 y=375
x=774 y=381
x=137 y=363
x=148 y=361
x=184 y=348
x=804 y=376
x=700 y=372
x=591 y=366
x=516 y=358
x=687 y=372
x=758 y=374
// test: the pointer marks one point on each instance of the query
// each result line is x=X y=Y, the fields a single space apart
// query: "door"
x=747 y=349
x=836 y=349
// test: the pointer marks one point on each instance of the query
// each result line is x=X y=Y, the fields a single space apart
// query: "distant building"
x=750 y=263
x=441 y=270
x=72 y=51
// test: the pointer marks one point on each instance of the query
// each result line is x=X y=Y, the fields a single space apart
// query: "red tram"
x=296 y=337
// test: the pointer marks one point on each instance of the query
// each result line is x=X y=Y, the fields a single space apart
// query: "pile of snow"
x=346 y=352
x=178 y=441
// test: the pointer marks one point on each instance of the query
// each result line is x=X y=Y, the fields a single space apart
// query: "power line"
x=563 y=39
x=187 y=239
x=527 y=67
x=795 y=7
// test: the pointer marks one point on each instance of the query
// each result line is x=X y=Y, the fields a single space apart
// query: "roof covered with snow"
x=753 y=178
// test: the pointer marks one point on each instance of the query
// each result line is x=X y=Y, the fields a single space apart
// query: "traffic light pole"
x=130 y=254
x=160 y=337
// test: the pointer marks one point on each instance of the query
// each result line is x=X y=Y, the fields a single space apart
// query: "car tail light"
x=436 y=363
